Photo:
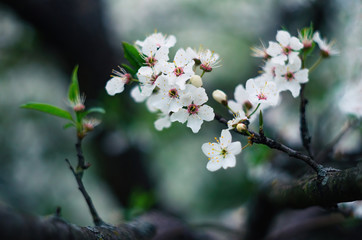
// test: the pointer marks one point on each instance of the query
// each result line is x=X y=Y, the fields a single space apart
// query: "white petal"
x=170 y=41
x=283 y=37
x=240 y=94
x=181 y=58
x=136 y=95
x=225 y=138
x=229 y=161
x=194 y=122
x=234 y=148
x=146 y=90
x=296 y=65
x=211 y=149
x=295 y=44
x=213 y=165
x=206 y=113
x=235 y=106
x=293 y=56
x=115 y=85
x=280 y=59
x=180 y=116
x=294 y=87
x=162 y=123
x=174 y=105
x=162 y=54
x=199 y=96
x=274 y=49
x=302 y=76
x=149 y=48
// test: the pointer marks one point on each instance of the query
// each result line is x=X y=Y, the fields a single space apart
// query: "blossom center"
x=287 y=50
x=178 y=71
x=127 y=78
x=153 y=78
x=289 y=76
x=172 y=93
x=223 y=152
x=206 y=67
x=151 y=61
x=261 y=96
x=193 y=109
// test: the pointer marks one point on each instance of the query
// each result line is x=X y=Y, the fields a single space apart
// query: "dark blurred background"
x=135 y=167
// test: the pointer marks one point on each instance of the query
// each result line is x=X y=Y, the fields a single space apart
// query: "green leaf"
x=73 y=93
x=133 y=55
x=261 y=121
x=81 y=115
x=129 y=69
x=50 y=109
x=68 y=125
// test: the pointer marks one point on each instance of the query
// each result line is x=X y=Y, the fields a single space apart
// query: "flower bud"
x=196 y=81
x=241 y=127
x=220 y=97
x=79 y=107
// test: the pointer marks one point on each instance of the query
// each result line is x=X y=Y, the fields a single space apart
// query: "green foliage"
x=133 y=55
x=50 y=109
x=73 y=93
x=75 y=99
x=139 y=202
x=129 y=69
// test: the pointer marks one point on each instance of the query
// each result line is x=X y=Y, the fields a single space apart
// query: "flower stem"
x=202 y=74
x=254 y=111
x=315 y=64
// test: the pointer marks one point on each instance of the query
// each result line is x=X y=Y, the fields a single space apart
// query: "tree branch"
x=261 y=139
x=19 y=226
x=304 y=132
x=341 y=186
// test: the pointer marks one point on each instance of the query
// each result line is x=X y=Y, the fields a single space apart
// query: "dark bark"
x=19 y=226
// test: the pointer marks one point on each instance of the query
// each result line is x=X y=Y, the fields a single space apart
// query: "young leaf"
x=129 y=69
x=132 y=55
x=73 y=93
x=50 y=109
x=91 y=110
x=68 y=125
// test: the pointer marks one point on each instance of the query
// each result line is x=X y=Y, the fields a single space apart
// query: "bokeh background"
x=135 y=167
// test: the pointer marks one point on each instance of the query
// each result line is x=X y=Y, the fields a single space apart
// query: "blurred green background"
x=135 y=167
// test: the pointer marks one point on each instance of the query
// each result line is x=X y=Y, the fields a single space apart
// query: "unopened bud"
x=196 y=81
x=248 y=105
x=241 y=127
x=79 y=107
x=220 y=97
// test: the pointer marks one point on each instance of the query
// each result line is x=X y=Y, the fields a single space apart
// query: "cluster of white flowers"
x=174 y=90
x=171 y=88
x=282 y=71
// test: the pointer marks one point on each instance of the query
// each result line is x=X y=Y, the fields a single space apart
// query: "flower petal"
x=214 y=165
x=283 y=37
x=225 y=138
x=206 y=113
x=234 y=148
x=162 y=123
x=211 y=149
x=180 y=116
x=194 y=122
x=295 y=44
x=274 y=49
x=115 y=85
x=229 y=161
x=302 y=76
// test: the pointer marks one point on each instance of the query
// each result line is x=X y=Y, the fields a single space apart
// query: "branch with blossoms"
x=173 y=89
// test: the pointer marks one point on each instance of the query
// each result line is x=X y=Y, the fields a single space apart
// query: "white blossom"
x=148 y=78
x=116 y=83
x=262 y=90
x=159 y=40
x=290 y=77
x=194 y=111
x=240 y=117
x=326 y=48
x=168 y=98
x=209 y=60
x=163 y=121
x=180 y=70
x=221 y=153
x=242 y=102
x=287 y=48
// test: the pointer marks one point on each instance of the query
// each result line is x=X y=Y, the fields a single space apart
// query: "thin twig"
x=257 y=138
x=96 y=219
x=304 y=133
